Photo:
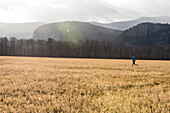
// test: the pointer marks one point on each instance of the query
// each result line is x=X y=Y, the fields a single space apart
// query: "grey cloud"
x=78 y=10
x=89 y=10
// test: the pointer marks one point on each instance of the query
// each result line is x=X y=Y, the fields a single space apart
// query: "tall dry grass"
x=83 y=85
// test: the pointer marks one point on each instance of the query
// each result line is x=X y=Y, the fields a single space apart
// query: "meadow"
x=83 y=85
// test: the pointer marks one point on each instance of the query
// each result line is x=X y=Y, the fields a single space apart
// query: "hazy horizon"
x=104 y=11
x=77 y=21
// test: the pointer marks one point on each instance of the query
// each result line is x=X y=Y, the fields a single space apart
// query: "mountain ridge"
x=18 y=30
x=123 y=25
x=26 y=30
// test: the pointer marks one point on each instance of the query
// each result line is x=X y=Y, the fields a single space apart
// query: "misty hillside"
x=147 y=34
x=127 y=24
x=18 y=30
x=75 y=31
x=26 y=30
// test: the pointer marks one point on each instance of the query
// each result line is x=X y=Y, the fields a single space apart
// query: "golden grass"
x=83 y=85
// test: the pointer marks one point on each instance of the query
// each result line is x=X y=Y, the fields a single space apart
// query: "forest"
x=84 y=49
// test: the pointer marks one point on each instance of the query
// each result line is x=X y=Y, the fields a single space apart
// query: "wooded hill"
x=147 y=34
x=75 y=32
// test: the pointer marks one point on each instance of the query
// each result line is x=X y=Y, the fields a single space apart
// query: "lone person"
x=134 y=59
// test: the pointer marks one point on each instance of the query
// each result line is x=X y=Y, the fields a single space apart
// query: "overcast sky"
x=80 y=10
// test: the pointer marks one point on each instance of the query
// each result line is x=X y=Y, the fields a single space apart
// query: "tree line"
x=84 y=49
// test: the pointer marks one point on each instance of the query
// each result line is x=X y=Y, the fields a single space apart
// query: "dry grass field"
x=83 y=85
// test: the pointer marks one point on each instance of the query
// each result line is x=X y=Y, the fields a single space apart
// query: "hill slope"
x=75 y=31
x=147 y=34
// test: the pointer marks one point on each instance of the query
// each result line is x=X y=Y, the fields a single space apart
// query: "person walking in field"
x=134 y=59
